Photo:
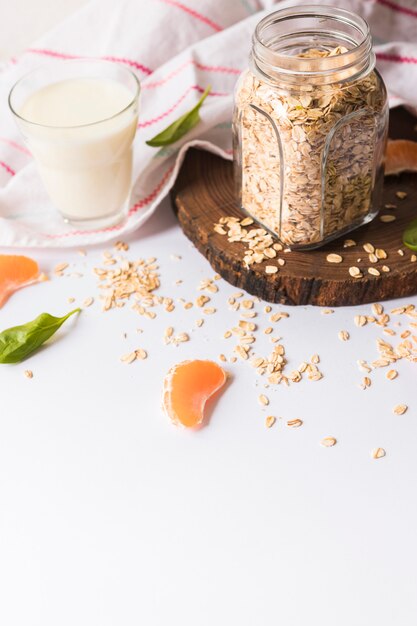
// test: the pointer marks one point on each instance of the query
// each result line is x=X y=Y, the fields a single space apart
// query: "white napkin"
x=176 y=48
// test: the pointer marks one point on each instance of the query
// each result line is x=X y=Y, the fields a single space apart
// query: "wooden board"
x=204 y=192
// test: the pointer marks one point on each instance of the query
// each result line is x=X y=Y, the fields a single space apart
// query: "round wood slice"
x=204 y=193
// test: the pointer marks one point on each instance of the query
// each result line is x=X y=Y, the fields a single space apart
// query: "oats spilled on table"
x=270 y=421
x=378 y=453
x=59 y=269
x=131 y=279
x=328 y=442
x=138 y=281
x=295 y=423
x=136 y=355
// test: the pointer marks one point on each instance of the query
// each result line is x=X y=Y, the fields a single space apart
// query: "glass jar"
x=310 y=125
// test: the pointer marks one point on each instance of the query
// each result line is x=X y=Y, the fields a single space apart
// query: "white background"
x=109 y=515
x=22 y=21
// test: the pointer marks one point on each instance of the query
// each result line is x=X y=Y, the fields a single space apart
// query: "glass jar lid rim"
x=264 y=52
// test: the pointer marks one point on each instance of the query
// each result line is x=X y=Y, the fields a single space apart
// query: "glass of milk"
x=79 y=120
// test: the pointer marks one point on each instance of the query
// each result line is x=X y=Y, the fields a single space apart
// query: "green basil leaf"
x=181 y=126
x=18 y=342
x=410 y=235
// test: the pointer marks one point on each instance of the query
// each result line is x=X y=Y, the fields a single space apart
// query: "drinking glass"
x=85 y=163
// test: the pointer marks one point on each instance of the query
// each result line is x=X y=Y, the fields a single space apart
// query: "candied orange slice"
x=187 y=387
x=16 y=272
x=400 y=156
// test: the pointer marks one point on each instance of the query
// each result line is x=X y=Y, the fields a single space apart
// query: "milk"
x=80 y=132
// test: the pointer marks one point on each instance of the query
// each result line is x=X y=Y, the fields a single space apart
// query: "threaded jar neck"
x=287 y=44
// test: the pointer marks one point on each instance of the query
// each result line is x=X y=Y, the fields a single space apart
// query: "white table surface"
x=110 y=515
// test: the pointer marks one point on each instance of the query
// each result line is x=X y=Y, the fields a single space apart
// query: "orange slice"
x=400 y=156
x=16 y=272
x=187 y=387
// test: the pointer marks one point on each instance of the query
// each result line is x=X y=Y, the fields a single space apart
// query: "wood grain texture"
x=204 y=193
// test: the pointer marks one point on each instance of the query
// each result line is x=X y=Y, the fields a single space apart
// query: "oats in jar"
x=309 y=129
